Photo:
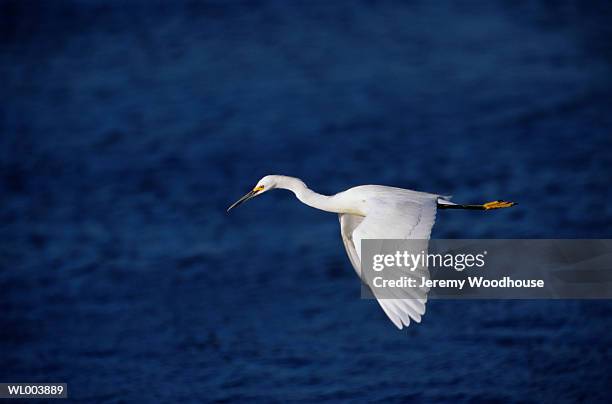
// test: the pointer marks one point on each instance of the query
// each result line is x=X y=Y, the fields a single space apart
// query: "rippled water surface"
x=127 y=129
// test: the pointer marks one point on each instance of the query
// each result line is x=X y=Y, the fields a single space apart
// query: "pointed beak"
x=245 y=198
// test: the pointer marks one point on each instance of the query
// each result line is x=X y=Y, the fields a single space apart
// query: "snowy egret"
x=375 y=212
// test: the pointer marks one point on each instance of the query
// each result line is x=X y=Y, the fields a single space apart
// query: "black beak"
x=243 y=199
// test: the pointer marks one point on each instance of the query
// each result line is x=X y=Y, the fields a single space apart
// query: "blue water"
x=127 y=129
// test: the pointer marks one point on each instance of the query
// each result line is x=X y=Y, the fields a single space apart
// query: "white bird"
x=376 y=212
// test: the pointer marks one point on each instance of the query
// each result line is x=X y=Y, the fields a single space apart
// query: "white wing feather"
x=411 y=218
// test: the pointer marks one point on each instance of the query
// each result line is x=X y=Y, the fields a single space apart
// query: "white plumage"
x=377 y=212
x=392 y=213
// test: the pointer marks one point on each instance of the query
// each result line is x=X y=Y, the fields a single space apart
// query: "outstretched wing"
x=406 y=220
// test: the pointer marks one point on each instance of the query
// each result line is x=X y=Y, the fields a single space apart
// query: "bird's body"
x=376 y=212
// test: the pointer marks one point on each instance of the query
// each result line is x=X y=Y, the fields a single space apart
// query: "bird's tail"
x=444 y=203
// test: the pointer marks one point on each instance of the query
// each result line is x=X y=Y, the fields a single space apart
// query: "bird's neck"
x=309 y=197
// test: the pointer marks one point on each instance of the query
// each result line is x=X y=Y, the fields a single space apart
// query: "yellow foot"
x=498 y=205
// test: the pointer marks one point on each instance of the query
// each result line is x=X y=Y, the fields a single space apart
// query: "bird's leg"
x=484 y=206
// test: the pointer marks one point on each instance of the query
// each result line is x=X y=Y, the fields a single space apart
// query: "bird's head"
x=263 y=185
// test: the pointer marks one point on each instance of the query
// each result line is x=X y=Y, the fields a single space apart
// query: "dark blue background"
x=126 y=129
